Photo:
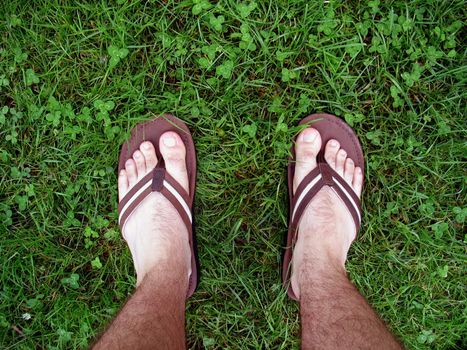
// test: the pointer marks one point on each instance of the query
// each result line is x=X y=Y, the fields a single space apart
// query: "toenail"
x=122 y=172
x=334 y=143
x=137 y=155
x=169 y=141
x=309 y=136
x=129 y=163
x=146 y=146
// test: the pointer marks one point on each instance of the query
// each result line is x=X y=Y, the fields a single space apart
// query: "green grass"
x=241 y=76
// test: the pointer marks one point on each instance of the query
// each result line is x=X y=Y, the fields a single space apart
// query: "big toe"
x=174 y=153
x=307 y=147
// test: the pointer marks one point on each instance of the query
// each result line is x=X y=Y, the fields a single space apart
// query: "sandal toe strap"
x=324 y=175
x=158 y=180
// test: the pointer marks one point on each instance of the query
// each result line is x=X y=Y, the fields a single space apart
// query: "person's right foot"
x=326 y=229
x=155 y=232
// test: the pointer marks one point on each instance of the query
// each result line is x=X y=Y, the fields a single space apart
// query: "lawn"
x=76 y=76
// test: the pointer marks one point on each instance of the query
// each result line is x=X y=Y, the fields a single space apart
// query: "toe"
x=330 y=152
x=340 y=161
x=173 y=151
x=122 y=184
x=357 y=182
x=307 y=146
x=349 y=169
x=147 y=148
x=131 y=172
x=140 y=162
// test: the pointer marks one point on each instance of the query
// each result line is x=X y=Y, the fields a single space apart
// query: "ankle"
x=327 y=246
x=168 y=249
x=168 y=259
x=174 y=270
x=312 y=270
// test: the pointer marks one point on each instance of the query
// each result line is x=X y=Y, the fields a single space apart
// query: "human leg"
x=154 y=316
x=333 y=313
x=158 y=239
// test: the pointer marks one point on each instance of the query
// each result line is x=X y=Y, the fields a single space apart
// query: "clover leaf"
x=439 y=228
x=354 y=118
x=414 y=76
x=281 y=56
x=216 y=22
x=461 y=214
x=250 y=129
x=245 y=9
x=210 y=50
x=20 y=56
x=30 y=77
x=287 y=75
x=4 y=81
x=104 y=105
x=96 y=263
x=116 y=54
x=12 y=137
x=85 y=115
x=247 y=40
x=374 y=137
x=54 y=117
x=225 y=69
x=71 y=281
x=204 y=62
x=3 y=111
x=398 y=102
x=199 y=6
x=443 y=271
x=354 y=48
x=22 y=202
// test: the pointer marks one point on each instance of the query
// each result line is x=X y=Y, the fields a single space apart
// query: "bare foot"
x=326 y=229
x=155 y=231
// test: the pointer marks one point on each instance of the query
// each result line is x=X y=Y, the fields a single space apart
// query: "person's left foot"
x=155 y=232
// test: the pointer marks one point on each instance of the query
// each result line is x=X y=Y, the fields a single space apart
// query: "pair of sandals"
x=329 y=127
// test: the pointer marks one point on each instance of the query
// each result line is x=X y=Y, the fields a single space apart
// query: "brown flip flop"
x=158 y=180
x=329 y=127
